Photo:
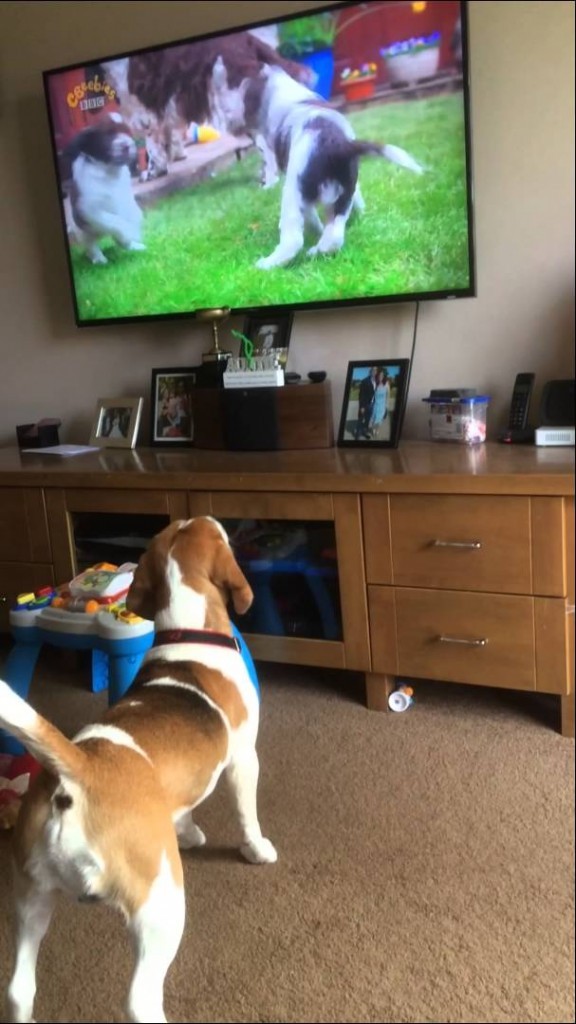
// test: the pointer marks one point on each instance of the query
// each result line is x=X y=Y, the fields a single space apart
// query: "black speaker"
x=250 y=419
x=557 y=404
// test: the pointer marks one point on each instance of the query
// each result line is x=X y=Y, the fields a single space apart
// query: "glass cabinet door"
x=302 y=552
x=113 y=536
x=292 y=569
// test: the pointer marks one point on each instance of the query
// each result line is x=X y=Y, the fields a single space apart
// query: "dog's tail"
x=44 y=741
x=392 y=153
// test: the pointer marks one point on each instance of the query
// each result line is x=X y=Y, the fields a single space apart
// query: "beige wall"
x=523 y=144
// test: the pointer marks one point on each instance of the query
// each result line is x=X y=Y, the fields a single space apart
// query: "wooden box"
x=295 y=416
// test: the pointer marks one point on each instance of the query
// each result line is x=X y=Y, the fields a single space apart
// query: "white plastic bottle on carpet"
x=401 y=699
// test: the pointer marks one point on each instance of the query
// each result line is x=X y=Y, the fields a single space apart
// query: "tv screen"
x=317 y=160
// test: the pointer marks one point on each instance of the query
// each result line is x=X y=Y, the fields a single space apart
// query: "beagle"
x=105 y=818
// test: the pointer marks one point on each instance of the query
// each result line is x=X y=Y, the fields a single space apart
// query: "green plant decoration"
x=307 y=35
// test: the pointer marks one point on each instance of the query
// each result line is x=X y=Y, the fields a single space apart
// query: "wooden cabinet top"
x=415 y=467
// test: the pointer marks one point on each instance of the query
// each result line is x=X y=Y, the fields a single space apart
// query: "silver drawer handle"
x=480 y=642
x=473 y=545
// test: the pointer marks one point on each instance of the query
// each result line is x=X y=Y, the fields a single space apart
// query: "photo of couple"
x=374 y=400
x=373 y=405
x=116 y=422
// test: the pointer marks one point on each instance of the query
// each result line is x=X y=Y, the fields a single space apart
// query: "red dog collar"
x=194 y=636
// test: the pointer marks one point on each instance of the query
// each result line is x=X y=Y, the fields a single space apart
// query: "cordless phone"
x=518 y=429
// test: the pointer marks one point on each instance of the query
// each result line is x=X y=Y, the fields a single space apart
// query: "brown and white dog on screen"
x=101 y=196
x=164 y=137
x=311 y=143
x=175 y=84
x=105 y=818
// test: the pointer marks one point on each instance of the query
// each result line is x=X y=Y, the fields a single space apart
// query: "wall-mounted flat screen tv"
x=318 y=160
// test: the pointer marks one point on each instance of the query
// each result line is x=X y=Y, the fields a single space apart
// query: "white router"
x=549 y=437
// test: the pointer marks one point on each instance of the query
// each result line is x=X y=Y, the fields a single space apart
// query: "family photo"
x=374 y=399
x=171 y=405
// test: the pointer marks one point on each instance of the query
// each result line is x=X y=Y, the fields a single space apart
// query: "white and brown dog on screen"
x=311 y=143
x=100 y=186
x=105 y=818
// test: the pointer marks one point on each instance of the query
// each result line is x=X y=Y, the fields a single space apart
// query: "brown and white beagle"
x=105 y=818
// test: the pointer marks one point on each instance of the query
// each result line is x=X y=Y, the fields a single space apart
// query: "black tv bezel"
x=384 y=300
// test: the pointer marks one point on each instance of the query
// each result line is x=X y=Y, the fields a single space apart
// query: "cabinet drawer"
x=484 y=639
x=17 y=579
x=455 y=542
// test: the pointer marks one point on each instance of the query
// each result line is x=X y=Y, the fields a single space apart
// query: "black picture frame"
x=364 y=426
x=277 y=338
x=171 y=407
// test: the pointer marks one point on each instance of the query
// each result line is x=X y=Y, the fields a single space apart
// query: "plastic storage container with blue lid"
x=458 y=416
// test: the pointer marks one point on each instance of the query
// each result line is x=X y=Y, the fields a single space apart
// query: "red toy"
x=16 y=773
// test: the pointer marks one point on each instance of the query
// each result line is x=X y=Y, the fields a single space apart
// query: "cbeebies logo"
x=92 y=93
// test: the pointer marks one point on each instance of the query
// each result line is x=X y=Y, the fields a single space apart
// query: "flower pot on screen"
x=363 y=89
x=412 y=60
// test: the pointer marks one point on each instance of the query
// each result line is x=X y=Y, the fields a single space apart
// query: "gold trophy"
x=214 y=317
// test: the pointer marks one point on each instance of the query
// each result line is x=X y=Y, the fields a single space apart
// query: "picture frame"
x=116 y=422
x=270 y=333
x=171 y=406
x=373 y=418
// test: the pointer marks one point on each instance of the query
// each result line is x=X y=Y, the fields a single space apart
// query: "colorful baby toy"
x=89 y=613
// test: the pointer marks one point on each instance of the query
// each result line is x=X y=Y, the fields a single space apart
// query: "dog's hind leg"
x=358 y=200
x=156 y=929
x=332 y=238
x=33 y=913
x=314 y=220
x=93 y=250
x=188 y=833
x=333 y=235
x=242 y=776
x=270 y=173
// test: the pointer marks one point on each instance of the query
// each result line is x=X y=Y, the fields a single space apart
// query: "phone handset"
x=518 y=429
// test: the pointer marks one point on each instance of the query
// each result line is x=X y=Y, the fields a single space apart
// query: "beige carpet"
x=425 y=868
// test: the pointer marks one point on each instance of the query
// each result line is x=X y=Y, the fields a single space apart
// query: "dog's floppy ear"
x=141 y=598
x=228 y=574
x=148 y=592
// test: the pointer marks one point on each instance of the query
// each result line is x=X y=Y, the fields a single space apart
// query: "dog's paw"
x=270 y=182
x=259 y=852
x=190 y=836
x=266 y=263
x=136 y=247
x=319 y=250
x=98 y=259
x=325 y=248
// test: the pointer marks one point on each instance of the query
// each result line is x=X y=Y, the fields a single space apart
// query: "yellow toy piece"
x=130 y=617
x=203 y=133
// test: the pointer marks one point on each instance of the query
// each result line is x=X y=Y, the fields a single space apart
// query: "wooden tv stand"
x=453 y=564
